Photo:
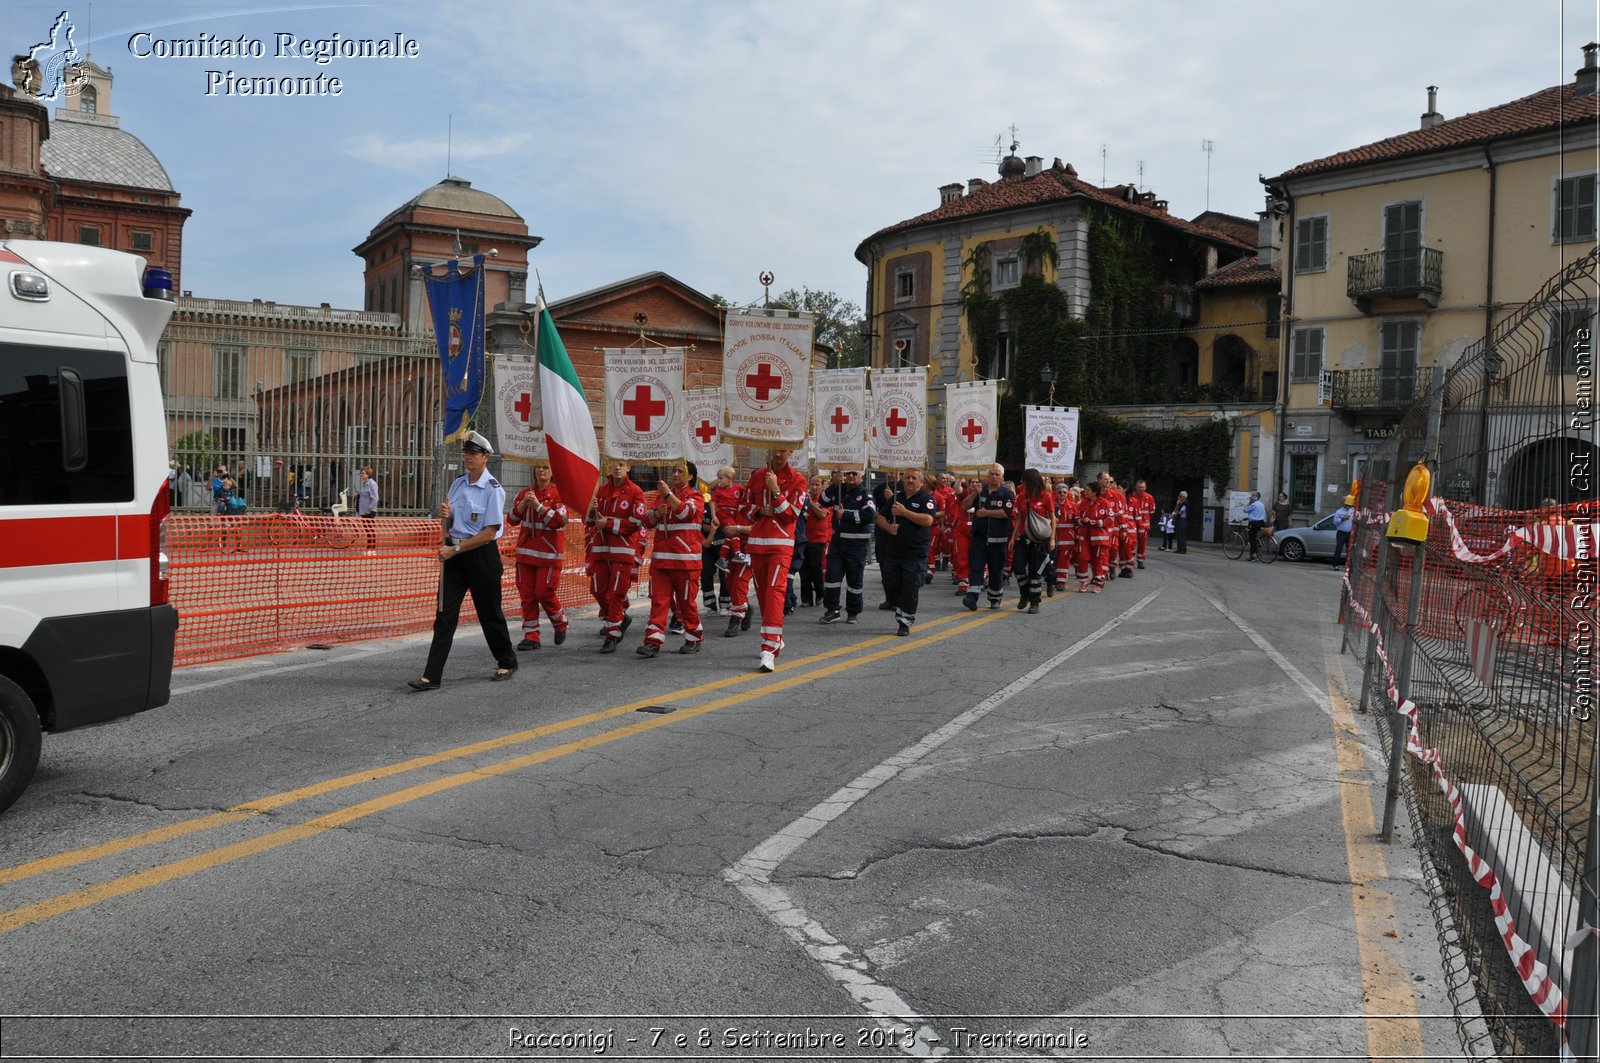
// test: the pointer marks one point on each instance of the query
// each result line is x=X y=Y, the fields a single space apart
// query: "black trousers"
x=847 y=562
x=478 y=571
x=811 y=574
x=1032 y=559
x=902 y=581
x=986 y=563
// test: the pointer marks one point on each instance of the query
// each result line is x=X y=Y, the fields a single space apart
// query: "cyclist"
x=1256 y=514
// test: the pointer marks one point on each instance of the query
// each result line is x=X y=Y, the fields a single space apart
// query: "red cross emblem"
x=705 y=432
x=895 y=421
x=972 y=430
x=643 y=407
x=1050 y=445
x=840 y=420
x=763 y=381
x=524 y=406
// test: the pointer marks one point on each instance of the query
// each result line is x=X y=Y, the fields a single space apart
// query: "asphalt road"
x=1136 y=825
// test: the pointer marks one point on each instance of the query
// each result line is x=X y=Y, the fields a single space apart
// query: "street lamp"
x=1047 y=374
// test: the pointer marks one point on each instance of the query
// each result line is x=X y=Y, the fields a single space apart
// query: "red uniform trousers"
x=771 y=583
x=537 y=586
x=1100 y=558
x=960 y=565
x=609 y=580
x=1066 y=539
x=736 y=582
x=674 y=591
x=1142 y=538
x=1124 y=550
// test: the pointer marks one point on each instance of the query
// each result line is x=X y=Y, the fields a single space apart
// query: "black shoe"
x=733 y=627
x=1126 y=573
x=903 y=630
x=561 y=636
x=882 y=606
x=1141 y=564
x=971 y=602
x=994 y=605
x=422 y=684
x=648 y=650
x=1022 y=603
x=609 y=645
x=527 y=644
x=689 y=647
x=744 y=622
x=626 y=620
x=829 y=617
x=675 y=627
x=850 y=618
x=1033 y=607
x=1049 y=590
x=502 y=674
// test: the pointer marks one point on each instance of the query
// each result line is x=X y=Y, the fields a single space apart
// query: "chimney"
x=1034 y=165
x=975 y=183
x=1269 y=238
x=949 y=193
x=1433 y=117
x=1588 y=73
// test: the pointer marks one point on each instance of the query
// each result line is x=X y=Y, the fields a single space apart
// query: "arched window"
x=88 y=100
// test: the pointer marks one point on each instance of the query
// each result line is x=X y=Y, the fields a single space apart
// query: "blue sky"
x=714 y=140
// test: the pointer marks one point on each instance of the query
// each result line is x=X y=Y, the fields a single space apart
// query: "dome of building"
x=457 y=193
x=101 y=154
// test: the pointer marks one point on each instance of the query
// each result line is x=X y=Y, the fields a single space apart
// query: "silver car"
x=1315 y=540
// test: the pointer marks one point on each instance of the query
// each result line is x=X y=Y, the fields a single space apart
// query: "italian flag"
x=568 y=426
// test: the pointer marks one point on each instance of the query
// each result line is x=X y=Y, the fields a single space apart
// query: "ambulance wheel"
x=19 y=741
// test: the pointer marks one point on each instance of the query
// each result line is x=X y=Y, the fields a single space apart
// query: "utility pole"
x=1208 y=147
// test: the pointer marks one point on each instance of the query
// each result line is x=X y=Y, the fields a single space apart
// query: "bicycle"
x=1237 y=542
x=291 y=527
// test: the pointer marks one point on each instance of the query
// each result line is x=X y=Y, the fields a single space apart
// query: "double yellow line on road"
x=123 y=885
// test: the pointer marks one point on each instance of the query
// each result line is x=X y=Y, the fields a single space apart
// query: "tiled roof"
x=1246 y=230
x=102 y=154
x=1048 y=186
x=1245 y=273
x=1544 y=111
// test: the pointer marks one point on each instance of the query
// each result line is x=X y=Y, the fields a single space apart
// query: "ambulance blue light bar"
x=158 y=284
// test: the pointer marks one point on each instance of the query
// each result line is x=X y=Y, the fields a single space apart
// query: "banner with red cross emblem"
x=766 y=387
x=900 y=418
x=971 y=418
x=644 y=404
x=702 y=430
x=1052 y=439
x=839 y=418
x=519 y=412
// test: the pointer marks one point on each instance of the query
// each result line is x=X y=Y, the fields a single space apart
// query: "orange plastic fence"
x=259 y=583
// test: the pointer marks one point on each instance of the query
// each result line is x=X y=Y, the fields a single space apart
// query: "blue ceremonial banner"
x=455 y=300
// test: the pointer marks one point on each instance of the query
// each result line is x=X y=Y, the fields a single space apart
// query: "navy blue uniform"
x=986 y=557
x=853 y=525
x=906 y=556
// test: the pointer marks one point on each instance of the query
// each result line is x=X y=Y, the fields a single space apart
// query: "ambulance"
x=86 y=630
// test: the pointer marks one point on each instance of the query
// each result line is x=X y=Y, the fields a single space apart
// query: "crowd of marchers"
x=776 y=543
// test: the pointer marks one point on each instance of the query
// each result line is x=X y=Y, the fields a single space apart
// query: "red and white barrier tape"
x=1534 y=974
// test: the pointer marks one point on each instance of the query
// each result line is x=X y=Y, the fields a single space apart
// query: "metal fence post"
x=1583 y=981
x=1400 y=724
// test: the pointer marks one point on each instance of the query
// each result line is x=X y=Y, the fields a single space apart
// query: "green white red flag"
x=568 y=425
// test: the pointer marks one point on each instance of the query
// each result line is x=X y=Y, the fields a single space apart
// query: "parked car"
x=1316 y=540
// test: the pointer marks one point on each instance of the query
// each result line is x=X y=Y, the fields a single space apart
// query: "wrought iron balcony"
x=1375 y=389
x=1411 y=274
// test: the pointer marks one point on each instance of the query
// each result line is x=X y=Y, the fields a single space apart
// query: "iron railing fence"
x=1412 y=272
x=1377 y=388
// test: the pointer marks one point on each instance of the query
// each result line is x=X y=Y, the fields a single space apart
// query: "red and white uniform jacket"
x=621 y=511
x=1066 y=519
x=1119 y=507
x=1143 y=504
x=960 y=519
x=677 y=541
x=944 y=499
x=728 y=504
x=774 y=534
x=541 y=539
x=1100 y=519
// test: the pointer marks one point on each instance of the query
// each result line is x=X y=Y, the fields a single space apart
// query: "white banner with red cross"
x=971 y=417
x=839 y=418
x=1052 y=439
x=702 y=431
x=644 y=404
x=900 y=419
x=519 y=414
x=766 y=386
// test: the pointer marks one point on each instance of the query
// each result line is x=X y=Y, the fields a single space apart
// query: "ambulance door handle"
x=74 y=431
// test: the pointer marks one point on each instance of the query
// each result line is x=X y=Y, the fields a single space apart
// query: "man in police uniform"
x=471 y=516
x=993 y=505
x=854 y=517
x=908 y=526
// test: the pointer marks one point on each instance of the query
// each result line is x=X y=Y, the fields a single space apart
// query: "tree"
x=836 y=321
x=200 y=451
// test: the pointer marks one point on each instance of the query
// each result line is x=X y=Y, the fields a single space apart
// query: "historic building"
x=1404 y=252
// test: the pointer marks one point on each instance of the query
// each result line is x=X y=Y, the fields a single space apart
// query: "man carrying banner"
x=675 y=561
x=1143 y=505
x=540 y=520
x=775 y=494
x=471 y=516
x=854 y=519
x=617 y=517
x=992 y=505
x=909 y=529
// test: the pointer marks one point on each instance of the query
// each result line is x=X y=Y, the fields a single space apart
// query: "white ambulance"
x=86 y=631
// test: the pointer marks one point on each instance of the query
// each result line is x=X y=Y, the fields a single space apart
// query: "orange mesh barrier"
x=260 y=583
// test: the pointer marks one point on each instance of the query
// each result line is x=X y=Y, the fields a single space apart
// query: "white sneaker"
x=769 y=663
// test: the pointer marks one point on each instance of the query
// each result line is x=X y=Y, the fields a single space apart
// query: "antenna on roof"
x=1102 y=165
x=1140 y=184
x=449 y=137
x=1208 y=147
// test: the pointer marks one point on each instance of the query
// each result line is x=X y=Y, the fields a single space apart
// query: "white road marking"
x=752 y=874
